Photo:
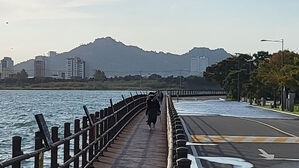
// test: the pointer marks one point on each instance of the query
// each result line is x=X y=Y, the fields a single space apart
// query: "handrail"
x=169 y=135
x=99 y=138
x=35 y=153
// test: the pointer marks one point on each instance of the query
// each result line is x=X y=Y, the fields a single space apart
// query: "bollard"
x=16 y=150
x=178 y=127
x=179 y=131
x=183 y=163
x=180 y=136
x=180 y=143
x=181 y=152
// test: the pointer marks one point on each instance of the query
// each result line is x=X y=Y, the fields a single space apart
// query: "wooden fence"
x=89 y=141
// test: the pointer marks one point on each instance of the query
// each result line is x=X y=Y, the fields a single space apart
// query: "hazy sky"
x=37 y=26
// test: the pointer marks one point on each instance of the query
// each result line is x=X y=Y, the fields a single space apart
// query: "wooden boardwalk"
x=137 y=146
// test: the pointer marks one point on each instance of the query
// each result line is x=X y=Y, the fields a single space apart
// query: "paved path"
x=223 y=141
x=137 y=146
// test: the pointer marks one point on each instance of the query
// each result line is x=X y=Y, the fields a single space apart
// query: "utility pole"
x=239 y=79
x=238 y=83
x=140 y=80
x=180 y=79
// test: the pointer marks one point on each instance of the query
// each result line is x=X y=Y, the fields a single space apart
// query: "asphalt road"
x=220 y=141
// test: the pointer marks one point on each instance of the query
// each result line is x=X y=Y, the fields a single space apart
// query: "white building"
x=7 y=68
x=198 y=65
x=203 y=64
x=75 y=68
x=194 y=66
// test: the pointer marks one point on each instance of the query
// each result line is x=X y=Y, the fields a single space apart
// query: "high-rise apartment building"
x=194 y=66
x=40 y=66
x=7 y=68
x=198 y=65
x=203 y=64
x=75 y=68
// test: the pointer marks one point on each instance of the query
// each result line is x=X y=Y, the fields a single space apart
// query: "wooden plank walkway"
x=137 y=146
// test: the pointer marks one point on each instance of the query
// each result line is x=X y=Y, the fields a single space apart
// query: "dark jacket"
x=153 y=109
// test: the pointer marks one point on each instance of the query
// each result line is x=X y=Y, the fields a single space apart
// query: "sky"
x=33 y=27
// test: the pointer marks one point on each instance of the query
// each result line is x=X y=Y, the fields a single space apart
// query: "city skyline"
x=35 y=27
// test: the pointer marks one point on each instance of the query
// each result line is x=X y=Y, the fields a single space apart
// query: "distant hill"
x=118 y=59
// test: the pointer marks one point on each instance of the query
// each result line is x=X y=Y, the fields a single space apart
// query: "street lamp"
x=283 y=103
x=277 y=41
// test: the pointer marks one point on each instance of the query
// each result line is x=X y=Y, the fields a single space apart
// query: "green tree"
x=99 y=75
x=22 y=75
x=231 y=73
x=154 y=77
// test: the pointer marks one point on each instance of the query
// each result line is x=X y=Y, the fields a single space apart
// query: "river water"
x=18 y=107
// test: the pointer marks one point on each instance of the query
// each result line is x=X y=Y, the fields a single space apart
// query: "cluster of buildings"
x=198 y=65
x=75 y=68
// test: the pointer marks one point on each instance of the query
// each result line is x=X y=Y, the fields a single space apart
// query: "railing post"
x=102 y=129
x=106 y=126
x=91 y=139
x=125 y=103
x=67 y=132
x=16 y=150
x=76 y=142
x=84 y=142
x=38 y=162
x=97 y=118
x=54 y=150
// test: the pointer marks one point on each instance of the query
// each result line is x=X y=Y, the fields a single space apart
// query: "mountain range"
x=118 y=59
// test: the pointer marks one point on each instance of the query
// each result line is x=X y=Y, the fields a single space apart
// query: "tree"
x=231 y=73
x=154 y=77
x=99 y=75
x=22 y=75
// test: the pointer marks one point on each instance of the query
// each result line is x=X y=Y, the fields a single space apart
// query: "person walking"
x=152 y=110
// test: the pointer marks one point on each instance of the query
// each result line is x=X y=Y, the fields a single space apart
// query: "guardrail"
x=185 y=93
x=177 y=150
x=90 y=139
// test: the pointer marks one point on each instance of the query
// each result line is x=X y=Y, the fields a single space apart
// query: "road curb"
x=274 y=110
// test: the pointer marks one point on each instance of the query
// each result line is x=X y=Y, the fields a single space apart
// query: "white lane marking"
x=283 y=159
x=193 y=160
x=268 y=156
x=200 y=144
x=235 y=162
x=196 y=163
x=270 y=126
x=265 y=154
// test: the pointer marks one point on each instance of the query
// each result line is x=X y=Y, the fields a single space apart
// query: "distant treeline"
x=100 y=81
x=259 y=75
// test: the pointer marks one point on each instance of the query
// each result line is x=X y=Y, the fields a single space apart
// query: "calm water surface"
x=17 y=109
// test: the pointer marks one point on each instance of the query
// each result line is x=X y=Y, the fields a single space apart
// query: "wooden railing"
x=89 y=141
x=186 y=93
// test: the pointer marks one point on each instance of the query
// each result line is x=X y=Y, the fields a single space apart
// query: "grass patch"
x=296 y=109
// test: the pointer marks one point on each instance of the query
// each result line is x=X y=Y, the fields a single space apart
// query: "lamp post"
x=238 y=77
x=283 y=103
